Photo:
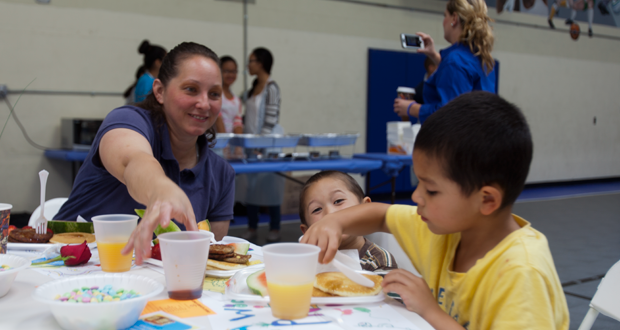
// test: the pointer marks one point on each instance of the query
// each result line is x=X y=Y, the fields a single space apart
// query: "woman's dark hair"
x=225 y=59
x=264 y=57
x=169 y=70
x=348 y=181
x=479 y=139
x=139 y=74
x=151 y=53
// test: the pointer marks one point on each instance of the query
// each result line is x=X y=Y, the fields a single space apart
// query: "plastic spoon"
x=350 y=273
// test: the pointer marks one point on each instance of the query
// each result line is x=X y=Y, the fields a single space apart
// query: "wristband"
x=409 y=107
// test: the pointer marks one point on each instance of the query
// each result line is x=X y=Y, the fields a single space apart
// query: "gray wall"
x=320 y=50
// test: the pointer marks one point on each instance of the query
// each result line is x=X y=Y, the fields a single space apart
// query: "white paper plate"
x=237 y=289
x=40 y=246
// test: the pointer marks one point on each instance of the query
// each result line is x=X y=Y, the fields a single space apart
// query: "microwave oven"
x=78 y=133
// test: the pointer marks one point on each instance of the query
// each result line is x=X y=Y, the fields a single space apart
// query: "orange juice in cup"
x=290 y=269
x=112 y=233
x=110 y=256
x=290 y=301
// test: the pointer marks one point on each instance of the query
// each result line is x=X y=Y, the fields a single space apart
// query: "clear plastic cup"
x=5 y=216
x=185 y=254
x=112 y=233
x=290 y=269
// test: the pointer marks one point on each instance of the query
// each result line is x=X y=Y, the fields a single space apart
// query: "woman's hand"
x=169 y=202
x=429 y=48
x=127 y=156
x=403 y=109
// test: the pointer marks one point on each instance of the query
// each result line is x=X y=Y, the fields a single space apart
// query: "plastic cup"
x=405 y=93
x=184 y=255
x=290 y=269
x=5 y=216
x=112 y=233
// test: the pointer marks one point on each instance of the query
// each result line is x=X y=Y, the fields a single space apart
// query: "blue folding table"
x=349 y=165
x=391 y=165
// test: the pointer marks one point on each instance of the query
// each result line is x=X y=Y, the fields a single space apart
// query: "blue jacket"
x=459 y=72
x=143 y=87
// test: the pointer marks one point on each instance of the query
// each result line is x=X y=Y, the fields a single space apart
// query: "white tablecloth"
x=18 y=310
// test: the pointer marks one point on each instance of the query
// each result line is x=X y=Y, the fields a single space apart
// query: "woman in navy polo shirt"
x=465 y=66
x=156 y=155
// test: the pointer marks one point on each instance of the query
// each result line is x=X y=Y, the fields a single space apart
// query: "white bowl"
x=105 y=315
x=7 y=276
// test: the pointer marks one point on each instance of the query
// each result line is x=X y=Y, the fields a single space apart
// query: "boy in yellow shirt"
x=482 y=266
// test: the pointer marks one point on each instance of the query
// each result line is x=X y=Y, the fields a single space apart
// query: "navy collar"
x=203 y=149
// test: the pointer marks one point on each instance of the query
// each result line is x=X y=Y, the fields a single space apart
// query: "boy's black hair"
x=348 y=181
x=480 y=139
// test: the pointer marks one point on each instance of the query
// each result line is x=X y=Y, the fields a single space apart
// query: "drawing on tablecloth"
x=239 y=315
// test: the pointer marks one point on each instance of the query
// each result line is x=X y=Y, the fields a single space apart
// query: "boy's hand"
x=413 y=290
x=325 y=234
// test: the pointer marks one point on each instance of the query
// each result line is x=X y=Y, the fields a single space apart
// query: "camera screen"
x=413 y=41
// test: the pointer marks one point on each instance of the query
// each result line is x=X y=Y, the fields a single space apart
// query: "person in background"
x=129 y=92
x=156 y=155
x=262 y=114
x=482 y=266
x=465 y=66
x=153 y=57
x=331 y=191
x=430 y=68
x=229 y=120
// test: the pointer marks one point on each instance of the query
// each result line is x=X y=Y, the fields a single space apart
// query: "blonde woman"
x=465 y=66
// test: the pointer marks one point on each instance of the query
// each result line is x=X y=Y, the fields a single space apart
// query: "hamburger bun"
x=72 y=238
x=337 y=284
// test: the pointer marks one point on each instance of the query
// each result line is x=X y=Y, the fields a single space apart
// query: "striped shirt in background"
x=374 y=258
x=272 y=107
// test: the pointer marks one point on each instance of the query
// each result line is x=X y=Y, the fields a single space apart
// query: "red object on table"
x=156 y=252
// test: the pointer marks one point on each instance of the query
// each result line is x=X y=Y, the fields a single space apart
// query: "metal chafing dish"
x=252 y=141
x=284 y=140
x=256 y=141
x=328 y=139
x=221 y=140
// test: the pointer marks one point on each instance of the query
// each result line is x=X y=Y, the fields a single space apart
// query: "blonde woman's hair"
x=477 y=32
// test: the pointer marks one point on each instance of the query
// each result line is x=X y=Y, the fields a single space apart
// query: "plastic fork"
x=348 y=272
x=40 y=224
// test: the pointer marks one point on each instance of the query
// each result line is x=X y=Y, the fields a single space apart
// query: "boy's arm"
x=357 y=220
x=418 y=298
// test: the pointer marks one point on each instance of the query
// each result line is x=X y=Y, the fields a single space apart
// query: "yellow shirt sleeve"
x=414 y=237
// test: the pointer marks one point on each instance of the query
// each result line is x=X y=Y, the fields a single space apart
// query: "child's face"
x=441 y=202
x=327 y=196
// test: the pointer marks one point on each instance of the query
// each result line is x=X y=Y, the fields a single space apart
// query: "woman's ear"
x=366 y=200
x=455 y=20
x=303 y=228
x=158 y=91
x=492 y=197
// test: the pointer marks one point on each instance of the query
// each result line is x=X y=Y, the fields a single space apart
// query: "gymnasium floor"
x=580 y=220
